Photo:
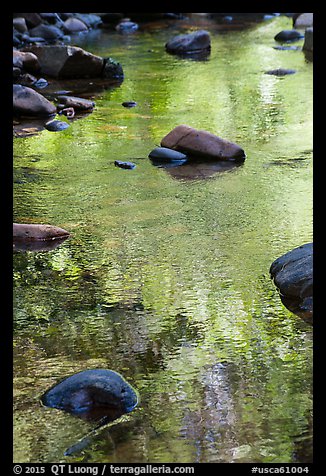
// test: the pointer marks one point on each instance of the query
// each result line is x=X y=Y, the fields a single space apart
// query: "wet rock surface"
x=288 y=35
x=34 y=232
x=195 y=42
x=293 y=276
x=194 y=142
x=92 y=395
x=280 y=71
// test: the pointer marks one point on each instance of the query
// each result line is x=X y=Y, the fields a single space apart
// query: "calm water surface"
x=165 y=276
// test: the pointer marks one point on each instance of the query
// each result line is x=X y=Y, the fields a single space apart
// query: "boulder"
x=293 y=276
x=64 y=61
x=27 y=102
x=48 y=32
x=73 y=25
x=126 y=26
x=304 y=20
x=198 y=143
x=288 y=35
x=195 y=42
x=112 y=69
x=35 y=232
x=92 y=394
x=26 y=60
x=20 y=24
x=308 y=39
x=91 y=20
x=80 y=104
x=32 y=19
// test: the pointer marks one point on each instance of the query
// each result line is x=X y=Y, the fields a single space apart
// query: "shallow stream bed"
x=165 y=277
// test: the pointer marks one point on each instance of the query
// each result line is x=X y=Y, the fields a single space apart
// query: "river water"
x=165 y=277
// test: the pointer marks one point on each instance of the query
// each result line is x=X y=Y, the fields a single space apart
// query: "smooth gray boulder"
x=198 y=41
x=27 y=102
x=293 y=276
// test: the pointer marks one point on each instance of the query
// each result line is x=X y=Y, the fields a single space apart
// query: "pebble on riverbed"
x=56 y=126
x=124 y=165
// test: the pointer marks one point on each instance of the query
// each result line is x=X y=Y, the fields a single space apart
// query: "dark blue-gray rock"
x=308 y=39
x=112 y=69
x=27 y=102
x=280 y=71
x=166 y=154
x=90 y=19
x=126 y=27
x=198 y=41
x=124 y=165
x=288 y=35
x=74 y=25
x=56 y=126
x=93 y=395
x=129 y=104
x=293 y=276
x=287 y=47
x=48 y=32
x=41 y=83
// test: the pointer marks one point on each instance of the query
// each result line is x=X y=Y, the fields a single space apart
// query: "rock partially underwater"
x=93 y=395
x=35 y=237
x=293 y=276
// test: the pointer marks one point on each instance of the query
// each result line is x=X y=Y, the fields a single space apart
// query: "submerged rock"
x=198 y=143
x=195 y=42
x=56 y=126
x=293 y=276
x=92 y=395
x=34 y=232
x=280 y=71
x=124 y=165
x=129 y=104
x=166 y=155
x=288 y=35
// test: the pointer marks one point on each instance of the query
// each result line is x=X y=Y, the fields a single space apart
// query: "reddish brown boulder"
x=31 y=232
x=200 y=143
x=61 y=61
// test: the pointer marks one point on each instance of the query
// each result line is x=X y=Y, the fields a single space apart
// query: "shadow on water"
x=195 y=169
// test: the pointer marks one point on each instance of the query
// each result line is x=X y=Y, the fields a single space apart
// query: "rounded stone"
x=92 y=394
x=164 y=153
x=56 y=126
